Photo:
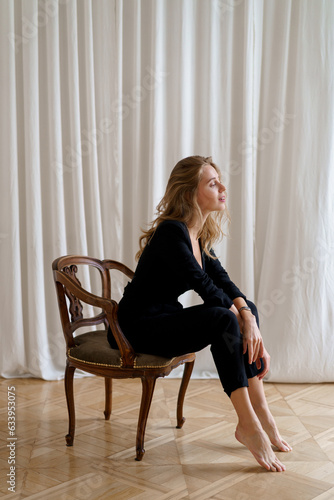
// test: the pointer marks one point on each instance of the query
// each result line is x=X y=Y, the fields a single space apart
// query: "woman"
x=175 y=256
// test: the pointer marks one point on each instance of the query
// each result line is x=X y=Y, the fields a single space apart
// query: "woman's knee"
x=226 y=335
x=225 y=319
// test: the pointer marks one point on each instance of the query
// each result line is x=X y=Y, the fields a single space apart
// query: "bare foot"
x=258 y=444
x=269 y=426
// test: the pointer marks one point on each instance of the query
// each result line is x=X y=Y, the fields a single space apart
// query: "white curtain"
x=99 y=100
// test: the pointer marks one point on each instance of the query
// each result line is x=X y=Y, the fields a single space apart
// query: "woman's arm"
x=220 y=277
x=252 y=339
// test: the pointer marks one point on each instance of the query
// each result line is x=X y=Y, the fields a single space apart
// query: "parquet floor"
x=201 y=461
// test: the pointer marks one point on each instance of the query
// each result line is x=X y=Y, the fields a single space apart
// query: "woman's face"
x=210 y=192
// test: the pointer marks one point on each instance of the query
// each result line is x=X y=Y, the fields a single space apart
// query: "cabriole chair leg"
x=69 y=374
x=148 y=384
x=108 y=391
x=188 y=368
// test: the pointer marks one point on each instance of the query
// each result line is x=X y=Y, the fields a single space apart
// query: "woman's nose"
x=222 y=188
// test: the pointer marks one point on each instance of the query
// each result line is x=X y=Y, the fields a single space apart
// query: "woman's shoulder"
x=171 y=225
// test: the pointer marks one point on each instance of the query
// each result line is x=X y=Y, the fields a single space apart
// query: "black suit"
x=155 y=322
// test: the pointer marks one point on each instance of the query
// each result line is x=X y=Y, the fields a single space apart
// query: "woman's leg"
x=261 y=408
x=250 y=433
x=191 y=330
x=258 y=399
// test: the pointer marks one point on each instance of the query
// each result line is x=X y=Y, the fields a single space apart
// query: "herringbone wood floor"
x=201 y=461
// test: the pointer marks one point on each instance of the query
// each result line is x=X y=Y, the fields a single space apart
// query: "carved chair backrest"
x=71 y=308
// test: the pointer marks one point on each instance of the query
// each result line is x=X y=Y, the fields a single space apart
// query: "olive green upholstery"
x=93 y=347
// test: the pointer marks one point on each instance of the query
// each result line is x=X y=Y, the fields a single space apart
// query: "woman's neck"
x=193 y=233
x=194 y=229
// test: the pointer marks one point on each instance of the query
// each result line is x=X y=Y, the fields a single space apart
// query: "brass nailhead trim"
x=120 y=365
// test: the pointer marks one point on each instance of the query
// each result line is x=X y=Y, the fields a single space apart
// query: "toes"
x=271 y=463
x=287 y=446
x=284 y=446
x=266 y=465
x=279 y=466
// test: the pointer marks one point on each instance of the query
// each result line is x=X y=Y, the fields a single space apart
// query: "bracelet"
x=244 y=308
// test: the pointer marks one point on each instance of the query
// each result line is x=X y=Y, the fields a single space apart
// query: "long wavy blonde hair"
x=180 y=203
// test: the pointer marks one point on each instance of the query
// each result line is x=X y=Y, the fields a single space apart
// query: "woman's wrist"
x=244 y=308
x=246 y=314
x=234 y=309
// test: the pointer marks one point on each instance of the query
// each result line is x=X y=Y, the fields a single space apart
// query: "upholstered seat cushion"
x=94 y=348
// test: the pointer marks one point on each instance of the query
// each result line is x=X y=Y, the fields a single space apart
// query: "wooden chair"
x=91 y=351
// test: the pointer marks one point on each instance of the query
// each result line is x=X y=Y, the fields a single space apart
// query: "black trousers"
x=191 y=330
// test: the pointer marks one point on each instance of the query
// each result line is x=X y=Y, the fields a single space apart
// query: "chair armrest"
x=113 y=264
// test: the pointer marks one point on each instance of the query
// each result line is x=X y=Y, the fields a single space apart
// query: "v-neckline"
x=201 y=265
x=201 y=255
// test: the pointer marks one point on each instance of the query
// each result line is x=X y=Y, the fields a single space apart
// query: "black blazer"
x=167 y=268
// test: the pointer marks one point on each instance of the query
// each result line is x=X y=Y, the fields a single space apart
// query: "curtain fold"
x=10 y=235
x=294 y=237
x=101 y=98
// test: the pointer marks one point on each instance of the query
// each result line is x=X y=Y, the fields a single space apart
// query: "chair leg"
x=188 y=368
x=148 y=384
x=69 y=374
x=108 y=390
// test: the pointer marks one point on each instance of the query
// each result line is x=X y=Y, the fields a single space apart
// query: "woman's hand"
x=254 y=342
x=266 y=364
x=251 y=336
x=252 y=339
